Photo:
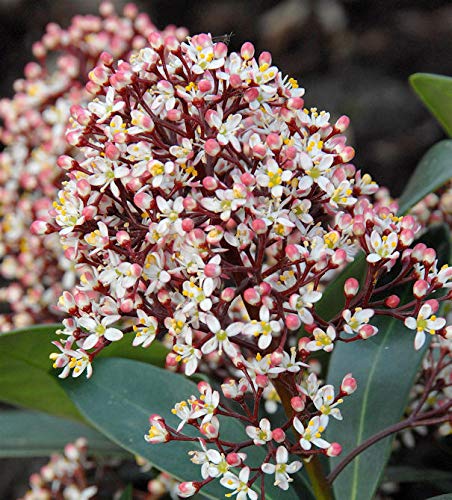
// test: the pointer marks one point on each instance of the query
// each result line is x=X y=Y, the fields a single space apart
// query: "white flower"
x=189 y=355
x=359 y=318
x=146 y=329
x=220 y=339
x=322 y=341
x=262 y=434
x=263 y=328
x=272 y=176
x=312 y=434
x=104 y=109
x=383 y=247
x=282 y=469
x=99 y=328
x=239 y=484
x=426 y=321
x=324 y=402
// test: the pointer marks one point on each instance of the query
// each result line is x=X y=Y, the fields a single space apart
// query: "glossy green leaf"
x=118 y=400
x=385 y=367
x=435 y=92
x=26 y=375
x=432 y=172
x=33 y=434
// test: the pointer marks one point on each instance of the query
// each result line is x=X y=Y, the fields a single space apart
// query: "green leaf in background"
x=432 y=172
x=447 y=496
x=127 y=494
x=33 y=434
x=121 y=396
x=385 y=367
x=26 y=375
x=435 y=92
x=407 y=474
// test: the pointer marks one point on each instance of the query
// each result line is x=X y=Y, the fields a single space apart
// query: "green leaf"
x=127 y=494
x=26 y=375
x=385 y=367
x=447 y=496
x=33 y=434
x=432 y=172
x=407 y=474
x=435 y=92
x=121 y=396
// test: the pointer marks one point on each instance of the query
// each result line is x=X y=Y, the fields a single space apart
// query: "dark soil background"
x=353 y=57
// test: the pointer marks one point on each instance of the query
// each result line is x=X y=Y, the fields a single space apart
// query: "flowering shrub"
x=205 y=207
x=34 y=122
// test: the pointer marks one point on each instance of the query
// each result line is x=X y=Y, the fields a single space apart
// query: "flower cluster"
x=64 y=476
x=210 y=205
x=205 y=205
x=224 y=457
x=34 y=123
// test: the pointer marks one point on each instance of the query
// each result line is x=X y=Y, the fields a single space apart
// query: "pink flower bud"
x=359 y=229
x=171 y=361
x=111 y=151
x=247 y=51
x=261 y=381
x=434 y=304
x=228 y=294
x=187 y=489
x=392 y=301
x=143 y=200
x=276 y=358
x=89 y=212
x=351 y=287
x=248 y=179
x=293 y=252
x=278 y=435
x=187 y=225
x=123 y=238
x=234 y=459
x=429 y=256
x=295 y=103
x=293 y=322
x=342 y=123
x=83 y=188
x=127 y=306
x=39 y=227
x=265 y=288
x=348 y=385
x=189 y=203
x=212 y=147
x=334 y=450
x=174 y=115
x=347 y=154
x=155 y=40
x=251 y=296
x=251 y=95
x=212 y=270
x=210 y=183
x=339 y=257
x=265 y=58
x=406 y=237
x=420 y=289
x=418 y=252
x=297 y=403
x=302 y=342
x=259 y=226
x=367 y=331
x=274 y=141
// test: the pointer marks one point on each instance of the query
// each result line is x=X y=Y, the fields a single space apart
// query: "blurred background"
x=353 y=57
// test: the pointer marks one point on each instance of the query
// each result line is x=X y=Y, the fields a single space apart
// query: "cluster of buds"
x=435 y=208
x=34 y=123
x=224 y=458
x=205 y=204
x=65 y=476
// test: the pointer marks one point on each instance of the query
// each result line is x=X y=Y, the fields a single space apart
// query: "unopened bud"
x=348 y=385
x=351 y=287
x=420 y=289
x=297 y=403
x=278 y=435
x=392 y=301
x=334 y=450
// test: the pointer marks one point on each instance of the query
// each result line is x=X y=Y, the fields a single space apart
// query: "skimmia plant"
x=206 y=212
